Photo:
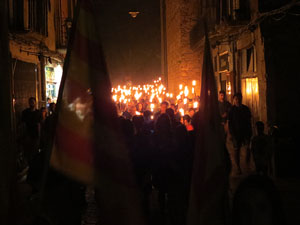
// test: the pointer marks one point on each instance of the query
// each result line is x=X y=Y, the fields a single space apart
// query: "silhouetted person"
x=261 y=147
x=163 y=161
x=191 y=112
x=138 y=122
x=187 y=122
x=179 y=192
x=141 y=155
x=163 y=109
x=48 y=105
x=177 y=115
x=31 y=118
x=139 y=108
x=148 y=122
x=174 y=122
x=224 y=108
x=239 y=121
x=130 y=112
x=52 y=107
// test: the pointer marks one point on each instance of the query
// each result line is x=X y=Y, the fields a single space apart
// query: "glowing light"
x=137 y=95
x=195 y=105
x=152 y=107
x=248 y=88
x=228 y=88
x=181 y=110
x=58 y=75
x=138 y=113
x=155 y=92
x=186 y=91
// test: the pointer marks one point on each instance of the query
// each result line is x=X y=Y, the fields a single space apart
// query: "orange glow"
x=186 y=91
x=228 y=88
x=181 y=110
x=195 y=105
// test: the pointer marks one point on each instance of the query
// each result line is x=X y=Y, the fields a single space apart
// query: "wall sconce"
x=134 y=13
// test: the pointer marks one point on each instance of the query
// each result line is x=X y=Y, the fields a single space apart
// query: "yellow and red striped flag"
x=88 y=145
x=207 y=205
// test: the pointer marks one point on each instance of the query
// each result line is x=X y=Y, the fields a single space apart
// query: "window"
x=29 y=15
x=250 y=94
x=224 y=62
x=16 y=14
x=242 y=10
x=236 y=10
x=247 y=61
x=38 y=16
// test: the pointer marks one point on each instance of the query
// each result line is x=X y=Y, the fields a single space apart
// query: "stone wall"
x=183 y=62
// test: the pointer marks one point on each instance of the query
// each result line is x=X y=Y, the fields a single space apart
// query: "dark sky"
x=131 y=45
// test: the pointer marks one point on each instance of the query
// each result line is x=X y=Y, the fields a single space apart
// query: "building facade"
x=255 y=50
x=38 y=33
x=251 y=41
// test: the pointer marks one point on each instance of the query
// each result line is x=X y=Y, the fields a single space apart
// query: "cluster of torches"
x=152 y=95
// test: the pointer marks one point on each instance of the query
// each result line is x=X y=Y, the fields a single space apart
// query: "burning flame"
x=181 y=110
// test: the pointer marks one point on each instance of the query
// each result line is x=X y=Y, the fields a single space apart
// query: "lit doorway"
x=53 y=79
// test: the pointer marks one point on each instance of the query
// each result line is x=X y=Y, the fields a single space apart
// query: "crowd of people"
x=236 y=122
x=161 y=146
x=32 y=134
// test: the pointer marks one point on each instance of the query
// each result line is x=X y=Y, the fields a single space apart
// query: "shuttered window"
x=38 y=16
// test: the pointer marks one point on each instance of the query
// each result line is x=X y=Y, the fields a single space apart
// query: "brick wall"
x=183 y=62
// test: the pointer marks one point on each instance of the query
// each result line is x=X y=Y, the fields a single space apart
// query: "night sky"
x=131 y=45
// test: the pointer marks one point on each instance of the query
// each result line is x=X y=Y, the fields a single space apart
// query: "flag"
x=210 y=173
x=88 y=145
